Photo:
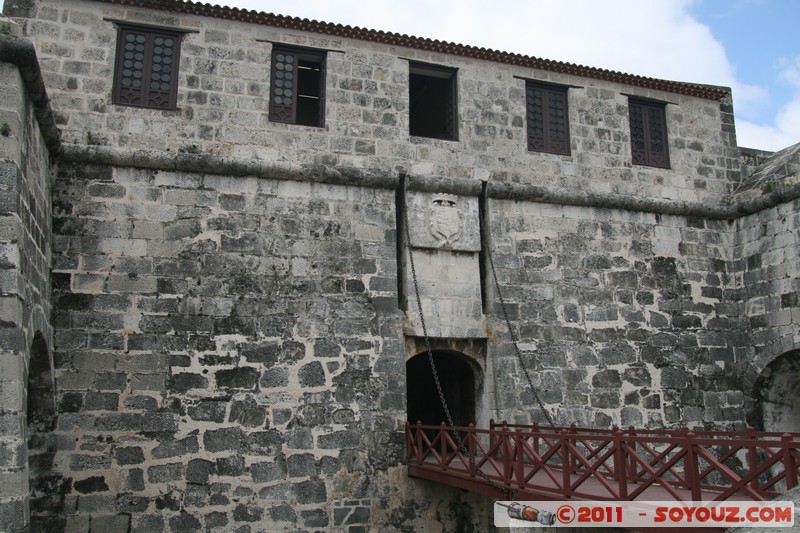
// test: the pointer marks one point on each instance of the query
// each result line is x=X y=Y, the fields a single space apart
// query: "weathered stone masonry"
x=234 y=319
x=26 y=332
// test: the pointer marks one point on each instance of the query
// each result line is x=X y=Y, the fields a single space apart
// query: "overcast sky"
x=751 y=46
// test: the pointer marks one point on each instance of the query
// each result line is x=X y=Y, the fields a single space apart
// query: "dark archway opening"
x=457 y=379
x=46 y=488
x=777 y=394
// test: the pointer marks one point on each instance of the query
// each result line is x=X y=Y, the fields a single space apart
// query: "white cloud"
x=763 y=137
x=790 y=71
x=788 y=119
x=786 y=129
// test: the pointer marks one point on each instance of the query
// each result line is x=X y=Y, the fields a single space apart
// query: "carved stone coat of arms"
x=445 y=219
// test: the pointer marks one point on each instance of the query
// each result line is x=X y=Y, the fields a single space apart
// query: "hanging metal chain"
x=456 y=435
x=514 y=340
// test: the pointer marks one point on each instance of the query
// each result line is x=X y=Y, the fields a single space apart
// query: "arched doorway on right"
x=777 y=394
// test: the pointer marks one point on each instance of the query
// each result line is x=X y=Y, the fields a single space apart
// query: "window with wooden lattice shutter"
x=548 y=119
x=297 y=86
x=648 y=125
x=146 y=70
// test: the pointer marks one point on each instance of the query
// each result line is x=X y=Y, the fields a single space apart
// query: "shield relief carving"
x=445 y=219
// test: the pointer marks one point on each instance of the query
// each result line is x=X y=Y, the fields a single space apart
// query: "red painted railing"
x=538 y=462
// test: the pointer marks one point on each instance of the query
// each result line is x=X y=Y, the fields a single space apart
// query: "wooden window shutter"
x=146 y=73
x=638 y=144
x=537 y=141
x=649 y=145
x=657 y=135
x=548 y=122
x=283 y=86
x=558 y=136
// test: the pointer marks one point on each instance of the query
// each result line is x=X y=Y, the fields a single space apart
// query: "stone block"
x=230 y=466
x=159 y=422
x=607 y=378
x=165 y=473
x=274 y=377
x=237 y=378
x=247 y=513
x=184 y=523
x=232 y=438
x=314 y=518
x=638 y=376
x=282 y=513
x=216 y=519
x=149 y=523
x=311 y=491
x=311 y=375
x=301 y=465
x=133 y=455
x=198 y=470
x=675 y=378
x=175 y=447
x=339 y=440
x=91 y=484
x=208 y=410
x=265 y=472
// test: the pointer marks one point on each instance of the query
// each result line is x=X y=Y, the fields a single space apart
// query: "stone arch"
x=459 y=379
x=776 y=395
x=41 y=422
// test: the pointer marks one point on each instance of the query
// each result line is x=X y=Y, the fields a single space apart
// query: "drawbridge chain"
x=514 y=341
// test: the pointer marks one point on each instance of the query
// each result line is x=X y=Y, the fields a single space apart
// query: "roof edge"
x=22 y=54
x=189 y=7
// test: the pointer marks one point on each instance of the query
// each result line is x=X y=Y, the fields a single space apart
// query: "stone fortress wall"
x=234 y=308
x=27 y=401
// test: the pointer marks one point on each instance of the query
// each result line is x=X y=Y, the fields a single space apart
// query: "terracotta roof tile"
x=710 y=92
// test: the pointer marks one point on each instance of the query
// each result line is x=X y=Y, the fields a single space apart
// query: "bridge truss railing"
x=613 y=464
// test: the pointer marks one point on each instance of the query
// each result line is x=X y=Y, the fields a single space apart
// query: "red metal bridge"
x=532 y=462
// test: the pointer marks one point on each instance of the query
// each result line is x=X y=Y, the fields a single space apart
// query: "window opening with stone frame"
x=146 y=70
x=432 y=102
x=547 y=117
x=297 y=87
x=648 y=125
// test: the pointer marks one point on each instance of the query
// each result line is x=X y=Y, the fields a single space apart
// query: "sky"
x=748 y=45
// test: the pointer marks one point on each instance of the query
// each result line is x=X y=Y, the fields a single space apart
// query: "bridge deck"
x=556 y=463
x=542 y=487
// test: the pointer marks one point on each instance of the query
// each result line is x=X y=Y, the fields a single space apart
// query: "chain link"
x=456 y=435
x=516 y=344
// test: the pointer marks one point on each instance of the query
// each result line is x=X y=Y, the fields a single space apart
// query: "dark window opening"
x=297 y=87
x=146 y=70
x=548 y=120
x=432 y=102
x=648 y=133
x=457 y=379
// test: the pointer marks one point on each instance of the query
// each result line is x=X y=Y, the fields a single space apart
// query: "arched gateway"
x=777 y=394
x=458 y=381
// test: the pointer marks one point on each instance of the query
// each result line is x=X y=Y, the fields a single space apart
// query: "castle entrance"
x=777 y=393
x=457 y=379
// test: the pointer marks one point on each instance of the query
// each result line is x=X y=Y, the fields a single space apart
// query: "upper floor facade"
x=184 y=77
